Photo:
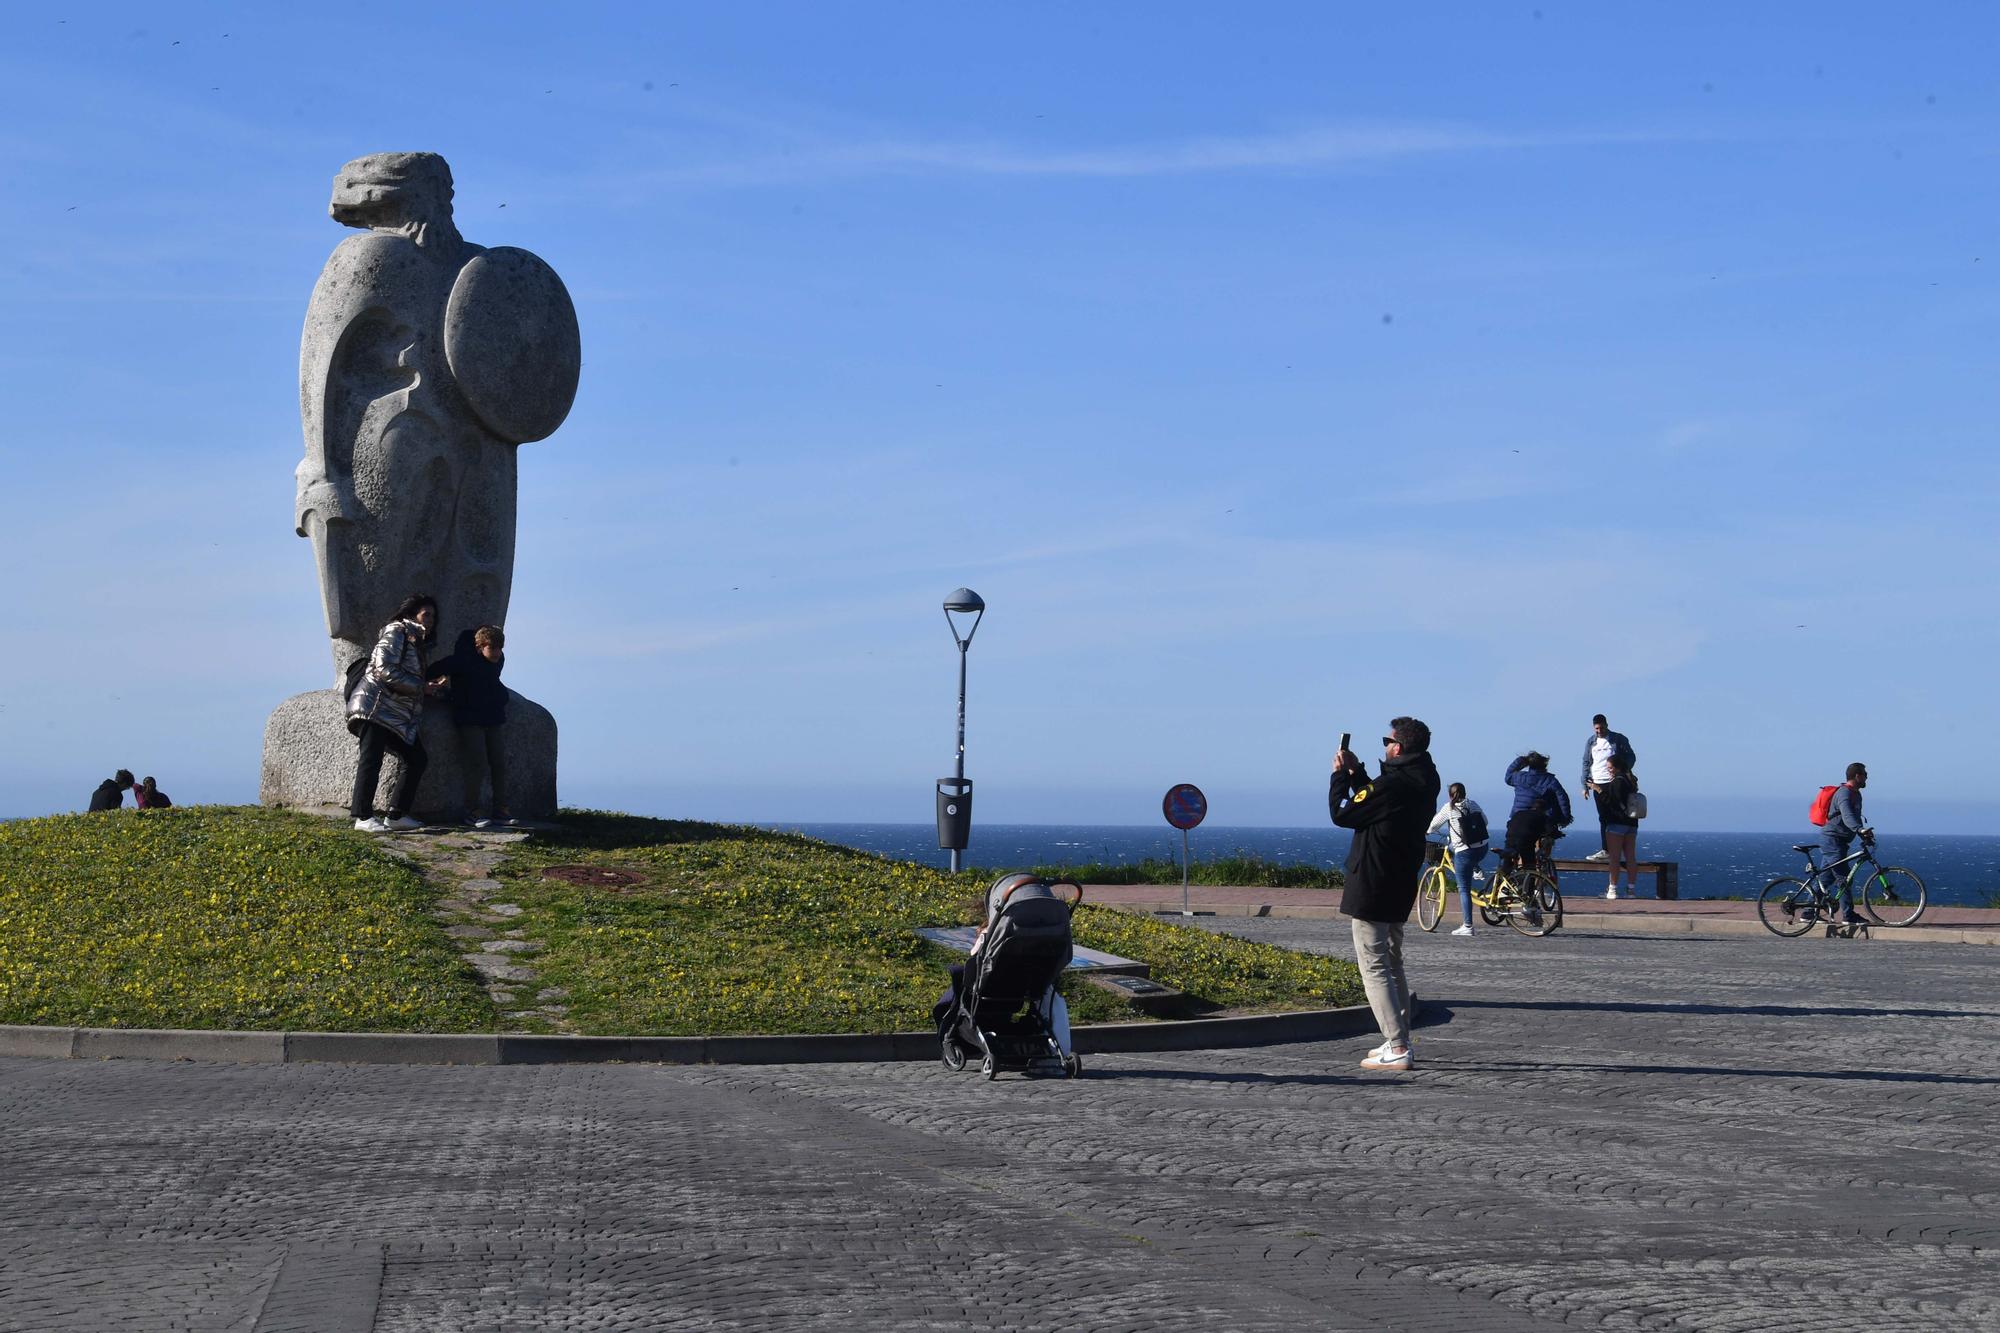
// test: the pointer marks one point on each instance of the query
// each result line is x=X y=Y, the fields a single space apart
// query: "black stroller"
x=1004 y=1004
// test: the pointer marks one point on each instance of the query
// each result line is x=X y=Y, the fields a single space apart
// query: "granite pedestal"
x=309 y=758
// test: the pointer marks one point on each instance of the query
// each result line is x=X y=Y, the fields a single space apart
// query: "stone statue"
x=425 y=362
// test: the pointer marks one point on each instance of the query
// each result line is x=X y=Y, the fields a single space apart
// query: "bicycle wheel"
x=1893 y=895
x=1550 y=893
x=1788 y=907
x=1534 y=905
x=1431 y=893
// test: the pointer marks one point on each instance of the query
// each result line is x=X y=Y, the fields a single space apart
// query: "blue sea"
x=1958 y=870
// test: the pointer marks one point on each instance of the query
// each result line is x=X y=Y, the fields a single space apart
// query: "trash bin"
x=954 y=811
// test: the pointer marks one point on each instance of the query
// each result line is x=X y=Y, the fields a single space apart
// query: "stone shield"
x=511 y=338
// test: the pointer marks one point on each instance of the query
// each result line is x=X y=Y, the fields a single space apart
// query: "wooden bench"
x=1666 y=874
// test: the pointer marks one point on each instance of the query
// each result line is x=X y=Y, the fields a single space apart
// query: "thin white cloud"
x=1307 y=149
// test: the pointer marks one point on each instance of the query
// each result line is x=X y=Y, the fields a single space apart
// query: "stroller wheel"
x=953 y=1054
x=988 y=1068
x=1073 y=1066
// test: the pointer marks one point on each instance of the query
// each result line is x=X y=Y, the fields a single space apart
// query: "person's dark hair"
x=1855 y=770
x=1456 y=791
x=1412 y=735
x=414 y=603
x=489 y=635
x=123 y=777
x=1536 y=760
x=1619 y=767
x=148 y=784
x=1598 y=721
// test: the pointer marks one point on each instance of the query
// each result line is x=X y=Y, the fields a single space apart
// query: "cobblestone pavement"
x=1605 y=1132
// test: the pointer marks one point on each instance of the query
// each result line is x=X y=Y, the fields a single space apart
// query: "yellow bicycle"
x=1524 y=898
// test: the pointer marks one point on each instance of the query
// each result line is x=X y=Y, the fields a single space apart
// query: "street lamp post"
x=954 y=802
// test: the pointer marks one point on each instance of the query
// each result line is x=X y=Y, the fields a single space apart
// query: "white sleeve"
x=1440 y=818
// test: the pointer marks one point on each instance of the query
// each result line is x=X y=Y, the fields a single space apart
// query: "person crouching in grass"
x=479 y=709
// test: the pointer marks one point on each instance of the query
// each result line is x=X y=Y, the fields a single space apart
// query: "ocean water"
x=1957 y=870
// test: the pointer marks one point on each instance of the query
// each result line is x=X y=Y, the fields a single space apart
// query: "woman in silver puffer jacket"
x=383 y=712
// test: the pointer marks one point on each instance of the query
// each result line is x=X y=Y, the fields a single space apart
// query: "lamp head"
x=965 y=602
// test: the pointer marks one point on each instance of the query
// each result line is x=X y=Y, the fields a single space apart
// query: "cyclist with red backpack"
x=1837 y=810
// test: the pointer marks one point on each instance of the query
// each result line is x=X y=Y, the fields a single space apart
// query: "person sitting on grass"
x=149 y=796
x=479 y=709
x=110 y=793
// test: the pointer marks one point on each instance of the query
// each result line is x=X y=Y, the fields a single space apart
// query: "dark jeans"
x=368 y=768
x=1463 y=863
x=483 y=751
x=1831 y=849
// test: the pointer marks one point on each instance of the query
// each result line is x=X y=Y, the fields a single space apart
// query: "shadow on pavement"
x=1240 y=1076
x=1686 y=1007
x=1839 y=1075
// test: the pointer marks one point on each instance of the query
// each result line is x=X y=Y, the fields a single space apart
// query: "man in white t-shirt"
x=1603 y=746
x=1599 y=750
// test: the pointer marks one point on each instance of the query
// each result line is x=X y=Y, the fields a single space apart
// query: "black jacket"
x=1389 y=817
x=1612 y=798
x=478 y=699
x=108 y=796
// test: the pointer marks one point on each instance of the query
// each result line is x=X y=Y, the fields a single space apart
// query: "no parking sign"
x=1184 y=806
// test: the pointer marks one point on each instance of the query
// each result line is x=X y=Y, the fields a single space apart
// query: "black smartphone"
x=1345 y=737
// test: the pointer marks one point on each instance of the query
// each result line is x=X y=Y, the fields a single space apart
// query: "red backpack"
x=1823 y=805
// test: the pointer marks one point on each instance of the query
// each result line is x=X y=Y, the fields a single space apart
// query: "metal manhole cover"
x=603 y=877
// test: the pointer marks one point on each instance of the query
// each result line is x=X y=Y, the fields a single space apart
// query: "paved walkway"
x=1582 y=897
x=1607 y=1132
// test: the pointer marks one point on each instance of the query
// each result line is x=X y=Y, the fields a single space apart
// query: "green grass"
x=216 y=917
x=743 y=930
x=227 y=917
x=1240 y=868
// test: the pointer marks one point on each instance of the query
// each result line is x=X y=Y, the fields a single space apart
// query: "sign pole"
x=1184 y=807
x=1185 y=909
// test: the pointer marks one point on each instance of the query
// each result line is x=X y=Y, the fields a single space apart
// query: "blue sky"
x=1270 y=369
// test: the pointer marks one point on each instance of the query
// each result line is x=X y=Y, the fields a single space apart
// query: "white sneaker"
x=1599 y=855
x=405 y=822
x=1382 y=1058
x=1463 y=930
x=1612 y=894
x=372 y=825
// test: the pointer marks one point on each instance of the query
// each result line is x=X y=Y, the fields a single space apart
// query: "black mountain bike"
x=1887 y=895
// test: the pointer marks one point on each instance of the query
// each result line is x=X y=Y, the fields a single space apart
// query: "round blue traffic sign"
x=1185 y=806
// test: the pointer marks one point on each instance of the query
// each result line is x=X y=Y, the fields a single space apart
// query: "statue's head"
x=406 y=193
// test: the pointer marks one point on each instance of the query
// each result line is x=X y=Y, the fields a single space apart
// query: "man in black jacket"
x=479 y=707
x=1389 y=816
x=110 y=793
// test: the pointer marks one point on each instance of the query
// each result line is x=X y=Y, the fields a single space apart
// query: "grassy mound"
x=737 y=929
x=221 y=918
x=226 y=917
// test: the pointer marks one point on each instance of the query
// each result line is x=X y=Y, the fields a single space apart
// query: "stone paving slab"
x=1607 y=1131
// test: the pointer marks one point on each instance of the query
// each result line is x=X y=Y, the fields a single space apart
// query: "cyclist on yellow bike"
x=1466 y=839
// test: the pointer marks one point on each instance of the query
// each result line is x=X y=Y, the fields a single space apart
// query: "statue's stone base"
x=309 y=758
